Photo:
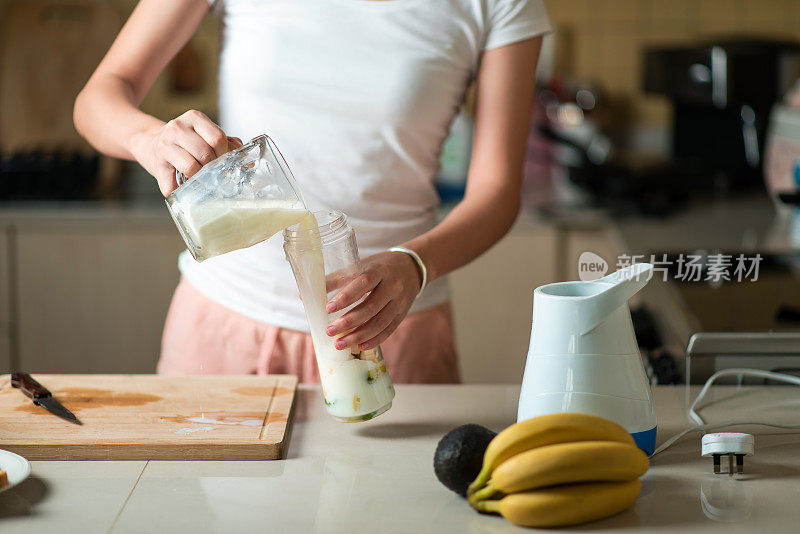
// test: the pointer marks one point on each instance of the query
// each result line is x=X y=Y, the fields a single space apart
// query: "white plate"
x=17 y=467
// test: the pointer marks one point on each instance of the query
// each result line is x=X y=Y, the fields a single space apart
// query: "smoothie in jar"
x=355 y=384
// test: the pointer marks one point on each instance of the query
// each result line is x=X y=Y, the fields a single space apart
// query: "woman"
x=358 y=94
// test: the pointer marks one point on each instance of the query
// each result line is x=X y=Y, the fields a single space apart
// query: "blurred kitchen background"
x=667 y=127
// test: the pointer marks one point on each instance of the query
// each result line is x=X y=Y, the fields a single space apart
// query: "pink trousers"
x=204 y=337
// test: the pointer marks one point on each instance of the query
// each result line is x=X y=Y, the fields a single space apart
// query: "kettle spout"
x=620 y=286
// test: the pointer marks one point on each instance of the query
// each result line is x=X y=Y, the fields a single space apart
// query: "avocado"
x=459 y=456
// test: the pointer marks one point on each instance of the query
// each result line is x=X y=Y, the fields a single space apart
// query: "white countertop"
x=378 y=477
x=88 y=214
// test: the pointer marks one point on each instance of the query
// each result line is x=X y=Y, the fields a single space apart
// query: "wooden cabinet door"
x=5 y=355
x=93 y=300
x=492 y=301
x=5 y=302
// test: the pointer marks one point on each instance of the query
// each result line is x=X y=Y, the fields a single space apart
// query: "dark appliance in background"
x=571 y=135
x=722 y=93
x=49 y=175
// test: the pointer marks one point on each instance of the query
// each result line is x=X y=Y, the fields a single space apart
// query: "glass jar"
x=324 y=256
x=239 y=199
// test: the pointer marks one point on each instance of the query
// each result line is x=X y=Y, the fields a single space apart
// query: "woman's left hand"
x=390 y=281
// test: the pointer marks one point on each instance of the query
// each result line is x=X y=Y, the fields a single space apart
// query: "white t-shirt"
x=358 y=95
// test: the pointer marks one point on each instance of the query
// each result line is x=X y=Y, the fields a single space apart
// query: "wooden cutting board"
x=150 y=417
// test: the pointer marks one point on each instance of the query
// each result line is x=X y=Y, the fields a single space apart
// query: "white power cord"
x=703 y=427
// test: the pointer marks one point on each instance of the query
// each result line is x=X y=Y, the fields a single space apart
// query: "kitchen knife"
x=41 y=396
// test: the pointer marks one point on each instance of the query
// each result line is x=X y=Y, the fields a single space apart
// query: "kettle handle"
x=622 y=285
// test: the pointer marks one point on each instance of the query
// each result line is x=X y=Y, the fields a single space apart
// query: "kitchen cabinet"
x=93 y=286
x=492 y=300
x=5 y=355
x=6 y=293
x=93 y=298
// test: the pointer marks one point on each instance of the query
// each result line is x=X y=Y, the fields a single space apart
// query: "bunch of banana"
x=559 y=469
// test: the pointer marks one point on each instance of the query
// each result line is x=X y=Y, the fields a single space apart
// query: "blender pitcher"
x=239 y=199
x=323 y=253
x=584 y=357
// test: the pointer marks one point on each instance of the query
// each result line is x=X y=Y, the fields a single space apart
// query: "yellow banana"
x=565 y=463
x=545 y=430
x=569 y=504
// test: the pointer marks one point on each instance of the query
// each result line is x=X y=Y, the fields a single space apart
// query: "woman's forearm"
x=106 y=115
x=491 y=203
x=106 y=111
x=470 y=229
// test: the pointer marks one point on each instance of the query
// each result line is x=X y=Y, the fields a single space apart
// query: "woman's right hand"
x=185 y=143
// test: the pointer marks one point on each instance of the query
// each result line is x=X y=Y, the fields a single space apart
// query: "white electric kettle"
x=583 y=355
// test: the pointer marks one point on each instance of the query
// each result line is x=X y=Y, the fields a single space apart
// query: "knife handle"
x=30 y=387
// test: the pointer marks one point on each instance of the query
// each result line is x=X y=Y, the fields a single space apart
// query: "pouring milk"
x=245 y=197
